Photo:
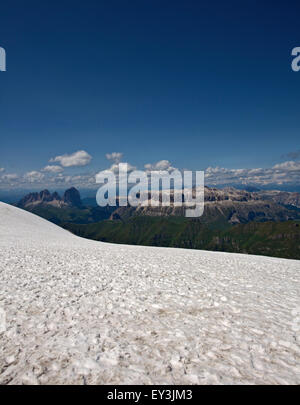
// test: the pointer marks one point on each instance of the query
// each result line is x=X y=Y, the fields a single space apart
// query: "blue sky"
x=199 y=84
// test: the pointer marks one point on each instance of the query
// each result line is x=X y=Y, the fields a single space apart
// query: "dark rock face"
x=56 y=196
x=72 y=197
x=29 y=198
x=34 y=198
x=45 y=196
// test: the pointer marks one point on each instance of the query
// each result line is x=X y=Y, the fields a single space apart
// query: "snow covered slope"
x=79 y=311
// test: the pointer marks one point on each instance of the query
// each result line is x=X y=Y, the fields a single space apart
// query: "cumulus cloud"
x=60 y=179
x=77 y=180
x=52 y=169
x=115 y=168
x=281 y=173
x=9 y=177
x=79 y=158
x=114 y=156
x=287 y=172
x=161 y=165
x=289 y=166
x=34 y=176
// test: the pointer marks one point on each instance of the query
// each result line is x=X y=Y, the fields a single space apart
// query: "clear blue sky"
x=200 y=83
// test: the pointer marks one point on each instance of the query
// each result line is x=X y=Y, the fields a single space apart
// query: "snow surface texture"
x=85 y=312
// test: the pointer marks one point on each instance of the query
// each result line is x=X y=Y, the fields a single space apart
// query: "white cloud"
x=53 y=169
x=161 y=165
x=115 y=168
x=34 y=176
x=281 y=173
x=289 y=166
x=60 y=178
x=79 y=158
x=79 y=180
x=2 y=169
x=114 y=156
x=9 y=177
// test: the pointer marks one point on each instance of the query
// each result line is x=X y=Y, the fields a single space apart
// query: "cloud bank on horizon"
x=52 y=175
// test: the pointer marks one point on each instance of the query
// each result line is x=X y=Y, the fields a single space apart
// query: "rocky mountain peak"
x=72 y=197
x=56 y=196
x=45 y=195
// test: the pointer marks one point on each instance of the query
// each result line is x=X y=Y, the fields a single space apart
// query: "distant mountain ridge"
x=70 y=198
x=257 y=222
x=228 y=205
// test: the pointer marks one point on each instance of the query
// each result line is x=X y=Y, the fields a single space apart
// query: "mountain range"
x=71 y=198
x=256 y=222
x=227 y=205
